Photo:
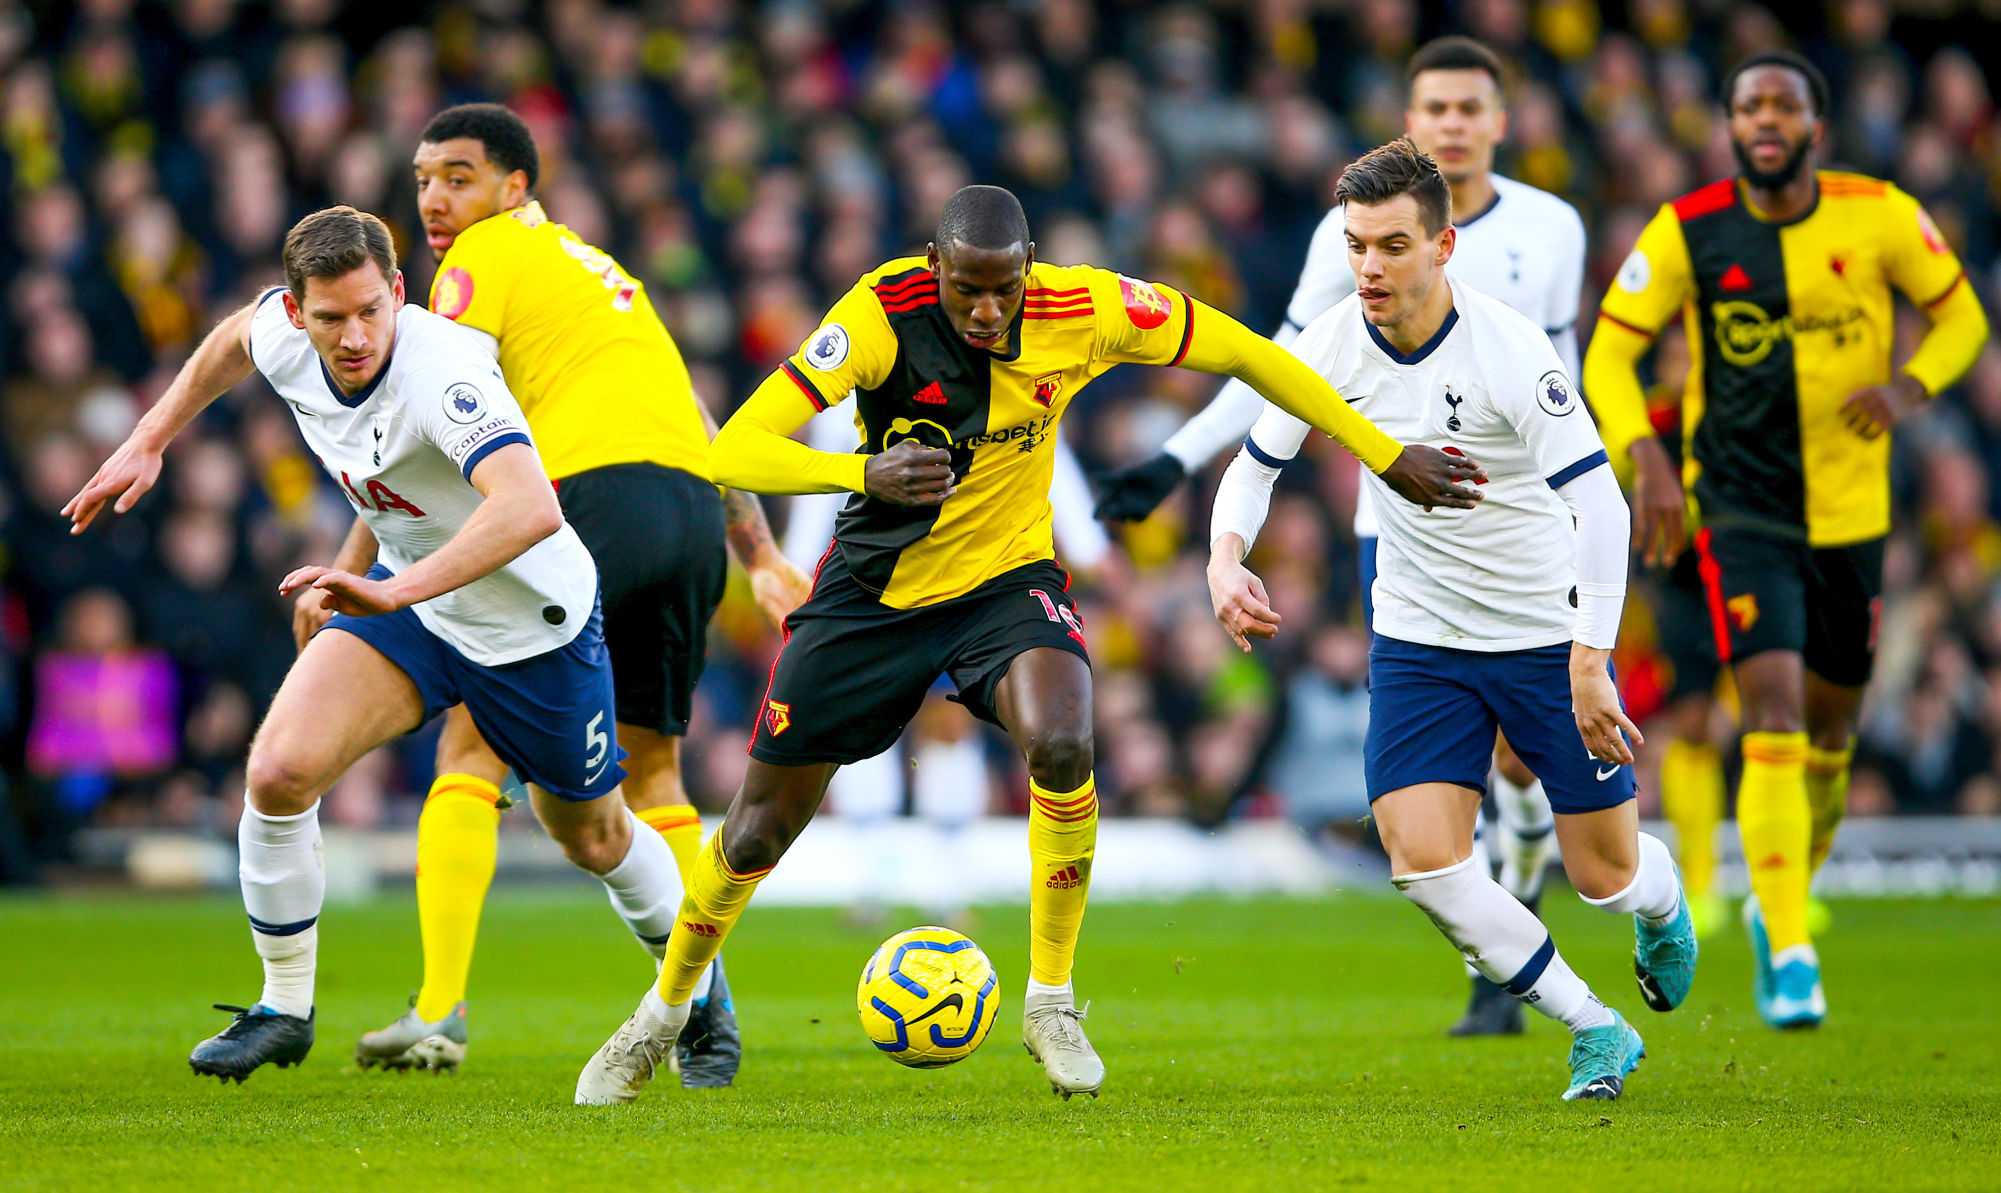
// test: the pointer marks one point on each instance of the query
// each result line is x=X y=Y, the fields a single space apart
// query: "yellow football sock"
x=457 y=837
x=1062 y=835
x=681 y=825
x=1827 y=796
x=1773 y=819
x=716 y=896
x=1692 y=798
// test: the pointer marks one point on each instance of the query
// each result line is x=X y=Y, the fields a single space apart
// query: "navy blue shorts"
x=1433 y=712
x=549 y=717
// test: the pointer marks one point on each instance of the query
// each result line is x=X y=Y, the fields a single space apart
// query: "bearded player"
x=624 y=439
x=961 y=363
x=1783 y=276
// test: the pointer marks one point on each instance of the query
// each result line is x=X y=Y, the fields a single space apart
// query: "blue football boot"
x=1600 y=1058
x=1664 y=958
x=258 y=1034
x=1797 y=999
x=710 y=1049
x=1761 y=953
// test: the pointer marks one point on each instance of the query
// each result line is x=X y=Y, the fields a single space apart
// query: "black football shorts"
x=1770 y=592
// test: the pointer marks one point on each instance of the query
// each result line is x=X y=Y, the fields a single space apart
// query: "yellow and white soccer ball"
x=928 y=997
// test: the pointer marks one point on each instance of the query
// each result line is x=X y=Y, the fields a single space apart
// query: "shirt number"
x=621 y=284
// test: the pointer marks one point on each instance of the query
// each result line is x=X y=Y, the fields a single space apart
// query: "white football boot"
x=412 y=1043
x=626 y=1062
x=1052 y=1032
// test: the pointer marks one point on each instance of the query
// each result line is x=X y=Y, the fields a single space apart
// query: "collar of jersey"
x=1744 y=198
x=367 y=391
x=1425 y=349
x=1481 y=214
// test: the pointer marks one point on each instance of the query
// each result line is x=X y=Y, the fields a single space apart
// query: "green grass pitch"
x=1250 y=1045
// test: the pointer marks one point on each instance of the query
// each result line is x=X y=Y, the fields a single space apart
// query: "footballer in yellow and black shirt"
x=960 y=364
x=1783 y=277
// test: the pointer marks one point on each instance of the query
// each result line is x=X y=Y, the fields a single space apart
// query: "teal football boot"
x=1664 y=958
x=1600 y=1058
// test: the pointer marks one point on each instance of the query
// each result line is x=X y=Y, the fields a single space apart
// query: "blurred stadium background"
x=748 y=161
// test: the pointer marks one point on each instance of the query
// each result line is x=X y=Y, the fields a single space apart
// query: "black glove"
x=1130 y=494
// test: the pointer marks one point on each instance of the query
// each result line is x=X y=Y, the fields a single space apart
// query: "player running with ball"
x=960 y=364
x=481 y=595
x=1473 y=619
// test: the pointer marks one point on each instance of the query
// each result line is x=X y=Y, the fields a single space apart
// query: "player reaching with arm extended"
x=1783 y=275
x=961 y=364
x=623 y=435
x=1513 y=242
x=1474 y=626
x=482 y=595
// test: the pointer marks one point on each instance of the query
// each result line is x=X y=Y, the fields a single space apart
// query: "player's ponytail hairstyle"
x=334 y=243
x=1398 y=168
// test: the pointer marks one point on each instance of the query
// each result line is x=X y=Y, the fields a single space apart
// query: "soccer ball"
x=928 y=997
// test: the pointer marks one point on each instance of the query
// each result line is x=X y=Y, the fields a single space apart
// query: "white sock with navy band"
x=284 y=882
x=1503 y=941
x=1524 y=835
x=1655 y=892
x=645 y=887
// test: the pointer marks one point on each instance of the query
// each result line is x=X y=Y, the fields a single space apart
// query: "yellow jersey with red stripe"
x=1785 y=321
x=596 y=373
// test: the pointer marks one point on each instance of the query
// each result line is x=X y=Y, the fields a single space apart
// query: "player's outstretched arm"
x=1421 y=475
x=517 y=510
x=1612 y=389
x=776 y=582
x=755 y=450
x=219 y=364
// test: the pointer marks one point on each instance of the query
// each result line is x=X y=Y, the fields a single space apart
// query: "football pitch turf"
x=1250 y=1045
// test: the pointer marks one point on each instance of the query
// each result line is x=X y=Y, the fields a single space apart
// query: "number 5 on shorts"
x=597 y=748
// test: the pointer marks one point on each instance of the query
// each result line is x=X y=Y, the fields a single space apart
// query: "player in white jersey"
x=481 y=595
x=1521 y=245
x=1474 y=620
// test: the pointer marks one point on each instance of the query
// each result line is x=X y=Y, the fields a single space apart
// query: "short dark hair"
x=982 y=217
x=1816 y=83
x=1456 y=53
x=508 y=142
x=333 y=243
x=1398 y=168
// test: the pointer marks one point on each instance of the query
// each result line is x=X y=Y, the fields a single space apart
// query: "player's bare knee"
x=756 y=845
x=1060 y=757
x=595 y=845
x=1602 y=878
x=279 y=782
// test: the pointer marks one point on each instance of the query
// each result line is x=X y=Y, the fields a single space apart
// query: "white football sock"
x=1524 y=836
x=1035 y=989
x=1655 y=892
x=1483 y=862
x=645 y=887
x=284 y=882
x=703 y=983
x=1502 y=940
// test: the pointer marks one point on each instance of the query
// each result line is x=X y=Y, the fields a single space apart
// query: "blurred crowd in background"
x=748 y=161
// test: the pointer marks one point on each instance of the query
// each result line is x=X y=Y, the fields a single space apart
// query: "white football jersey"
x=1489 y=384
x=403 y=449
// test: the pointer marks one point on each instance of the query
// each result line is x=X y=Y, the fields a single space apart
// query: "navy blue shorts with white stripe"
x=549 y=717
x=1433 y=712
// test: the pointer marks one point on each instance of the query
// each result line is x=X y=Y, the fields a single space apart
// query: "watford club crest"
x=778 y=716
x=453 y=293
x=1047 y=387
x=1743 y=611
x=1145 y=306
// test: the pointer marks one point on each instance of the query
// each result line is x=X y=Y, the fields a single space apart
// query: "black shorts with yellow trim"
x=854 y=671
x=1684 y=630
x=1767 y=592
x=657 y=536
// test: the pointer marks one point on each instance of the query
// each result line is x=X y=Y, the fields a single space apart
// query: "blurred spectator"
x=104 y=706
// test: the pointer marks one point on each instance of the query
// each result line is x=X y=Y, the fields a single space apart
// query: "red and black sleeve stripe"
x=806 y=387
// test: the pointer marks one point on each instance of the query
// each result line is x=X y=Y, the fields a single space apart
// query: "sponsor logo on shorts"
x=778 y=716
x=1606 y=772
x=1743 y=611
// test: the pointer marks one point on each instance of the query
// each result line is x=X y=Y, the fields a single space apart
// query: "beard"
x=1771 y=180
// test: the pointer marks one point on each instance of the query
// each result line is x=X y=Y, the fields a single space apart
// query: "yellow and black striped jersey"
x=597 y=374
x=888 y=343
x=1785 y=321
